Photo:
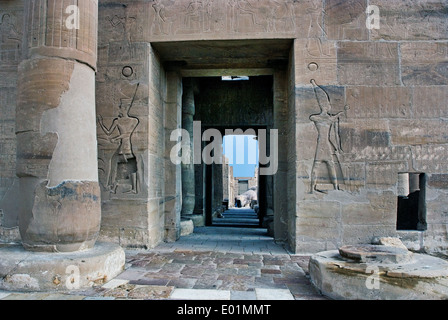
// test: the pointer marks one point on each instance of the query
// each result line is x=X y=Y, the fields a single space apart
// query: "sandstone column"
x=56 y=128
x=188 y=181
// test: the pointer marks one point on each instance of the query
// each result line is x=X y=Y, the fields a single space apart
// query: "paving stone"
x=184 y=283
x=208 y=284
x=146 y=281
x=150 y=292
x=57 y=296
x=4 y=294
x=132 y=274
x=242 y=295
x=302 y=288
x=273 y=294
x=249 y=272
x=114 y=283
x=99 y=298
x=120 y=291
x=26 y=296
x=200 y=294
x=270 y=271
x=240 y=273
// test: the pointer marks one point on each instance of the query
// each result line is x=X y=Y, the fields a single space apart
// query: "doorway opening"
x=231 y=193
x=239 y=183
x=237 y=84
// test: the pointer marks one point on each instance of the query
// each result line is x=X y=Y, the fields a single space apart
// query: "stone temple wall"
x=394 y=81
x=11 y=16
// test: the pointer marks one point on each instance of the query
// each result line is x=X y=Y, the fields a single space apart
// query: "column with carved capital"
x=57 y=166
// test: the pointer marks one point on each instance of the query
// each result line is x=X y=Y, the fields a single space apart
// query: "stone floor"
x=214 y=263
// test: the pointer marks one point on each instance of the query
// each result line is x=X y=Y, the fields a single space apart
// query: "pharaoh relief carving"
x=328 y=147
x=121 y=167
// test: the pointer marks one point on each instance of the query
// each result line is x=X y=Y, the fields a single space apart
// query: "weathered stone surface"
x=186 y=227
x=376 y=253
x=430 y=158
x=368 y=63
x=429 y=102
x=379 y=102
x=346 y=20
x=424 y=277
x=26 y=271
x=393 y=79
x=418 y=132
x=55 y=124
x=389 y=241
x=61 y=218
x=319 y=220
x=315 y=59
x=411 y=20
x=41 y=37
x=424 y=63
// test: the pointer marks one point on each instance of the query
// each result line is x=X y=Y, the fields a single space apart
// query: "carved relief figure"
x=194 y=13
x=10 y=39
x=328 y=141
x=232 y=15
x=8 y=31
x=160 y=19
x=244 y=7
x=126 y=22
x=125 y=125
x=208 y=5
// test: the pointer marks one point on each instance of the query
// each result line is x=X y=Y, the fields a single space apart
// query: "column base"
x=186 y=227
x=26 y=271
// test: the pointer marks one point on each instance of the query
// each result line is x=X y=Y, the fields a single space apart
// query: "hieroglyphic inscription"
x=234 y=16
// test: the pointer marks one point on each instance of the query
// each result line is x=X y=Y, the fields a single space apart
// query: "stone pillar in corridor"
x=60 y=207
x=188 y=174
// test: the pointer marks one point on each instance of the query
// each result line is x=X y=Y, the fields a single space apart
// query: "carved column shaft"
x=188 y=180
x=56 y=127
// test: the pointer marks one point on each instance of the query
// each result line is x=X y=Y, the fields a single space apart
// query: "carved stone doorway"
x=265 y=61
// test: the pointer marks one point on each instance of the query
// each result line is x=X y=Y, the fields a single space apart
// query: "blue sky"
x=242 y=152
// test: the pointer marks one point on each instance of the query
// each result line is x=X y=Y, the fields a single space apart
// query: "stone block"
x=435 y=238
x=430 y=158
x=384 y=175
x=346 y=20
x=365 y=138
x=354 y=175
x=318 y=220
x=430 y=102
x=415 y=132
x=438 y=181
x=366 y=214
x=187 y=227
x=23 y=271
x=436 y=210
x=368 y=63
x=424 y=63
x=411 y=20
x=362 y=234
x=315 y=59
x=378 y=102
